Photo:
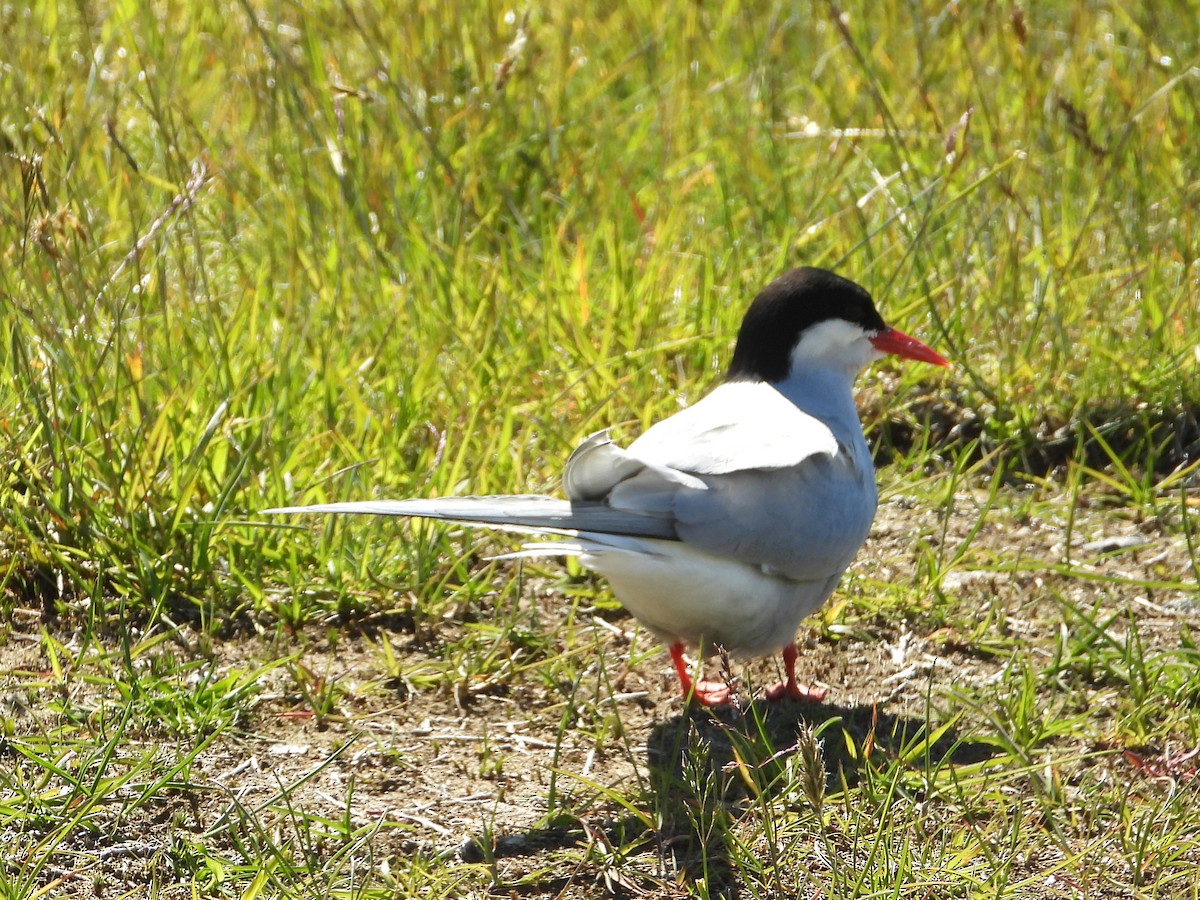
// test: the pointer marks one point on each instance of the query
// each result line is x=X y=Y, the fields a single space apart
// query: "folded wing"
x=527 y=513
x=742 y=474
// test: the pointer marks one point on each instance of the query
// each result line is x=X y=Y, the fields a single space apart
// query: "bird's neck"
x=826 y=393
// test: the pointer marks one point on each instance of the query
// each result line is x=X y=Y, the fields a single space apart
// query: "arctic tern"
x=727 y=523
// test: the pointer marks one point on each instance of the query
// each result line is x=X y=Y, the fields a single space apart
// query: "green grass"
x=256 y=254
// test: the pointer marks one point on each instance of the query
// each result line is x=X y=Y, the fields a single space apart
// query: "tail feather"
x=530 y=513
x=587 y=543
x=543 y=549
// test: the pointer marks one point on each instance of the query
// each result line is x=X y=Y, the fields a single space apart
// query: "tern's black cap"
x=785 y=309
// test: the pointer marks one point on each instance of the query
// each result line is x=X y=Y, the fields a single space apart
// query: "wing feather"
x=528 y=513
x=738 y=427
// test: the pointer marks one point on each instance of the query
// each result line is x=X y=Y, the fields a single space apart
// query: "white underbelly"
x=683 y=594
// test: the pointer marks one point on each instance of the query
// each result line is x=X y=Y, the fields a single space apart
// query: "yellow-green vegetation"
x=263 y=253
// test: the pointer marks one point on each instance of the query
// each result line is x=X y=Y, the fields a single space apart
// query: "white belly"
x=684 y=594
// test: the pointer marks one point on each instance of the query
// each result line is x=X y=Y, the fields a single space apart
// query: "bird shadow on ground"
x=709 y=768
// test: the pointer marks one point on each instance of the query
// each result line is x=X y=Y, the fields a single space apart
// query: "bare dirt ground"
x=472 y=773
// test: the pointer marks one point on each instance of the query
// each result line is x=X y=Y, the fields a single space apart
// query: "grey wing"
x=743 y=474
x=529 y=514
x=739 y=426
x=601 y=472
x=772 y=488
x=806 y=523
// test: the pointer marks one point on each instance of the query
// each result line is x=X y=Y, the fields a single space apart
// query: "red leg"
x=791 y=689
x=709 y=693
x=685 y=677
